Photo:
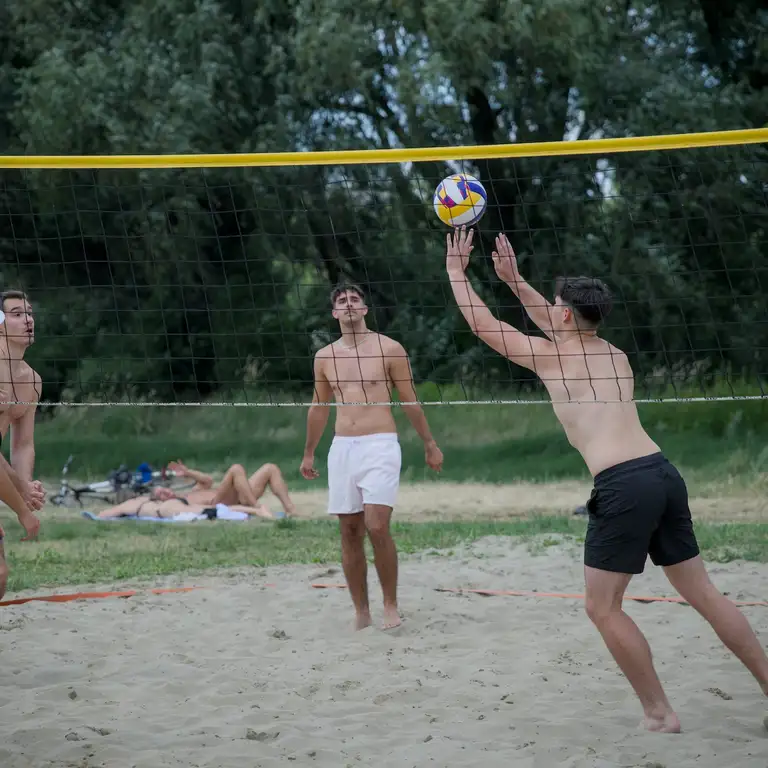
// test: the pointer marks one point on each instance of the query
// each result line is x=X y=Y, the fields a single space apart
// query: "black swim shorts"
x=639 y=508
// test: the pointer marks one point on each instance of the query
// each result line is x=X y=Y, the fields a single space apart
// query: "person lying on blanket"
x=235 y=488
x=180 y=508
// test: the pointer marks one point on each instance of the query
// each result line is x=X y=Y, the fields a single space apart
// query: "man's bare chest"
x=16 y=391
x=357 y=370
x=17 y=394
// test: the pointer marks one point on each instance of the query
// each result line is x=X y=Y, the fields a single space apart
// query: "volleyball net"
x=205 y=279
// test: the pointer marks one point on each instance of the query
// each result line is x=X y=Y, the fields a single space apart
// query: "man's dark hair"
x=343 y=288
x=588 y=297
x=12 y=294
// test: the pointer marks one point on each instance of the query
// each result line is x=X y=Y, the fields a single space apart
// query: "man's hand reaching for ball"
x=459 y=246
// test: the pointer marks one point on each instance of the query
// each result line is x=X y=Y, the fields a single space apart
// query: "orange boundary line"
x=522 y=593
x=99 y=595
x=66 y=598
x=93 y=595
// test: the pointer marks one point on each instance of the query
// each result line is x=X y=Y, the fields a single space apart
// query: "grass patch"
x=482 y=443
x=80 y=553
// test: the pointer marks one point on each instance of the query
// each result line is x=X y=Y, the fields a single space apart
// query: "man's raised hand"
x=177 y=467
x=505 y=261
x=459 y=246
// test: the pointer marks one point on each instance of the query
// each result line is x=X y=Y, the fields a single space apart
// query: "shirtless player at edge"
x=364 y=459
x=20 y=388
x=639 y=505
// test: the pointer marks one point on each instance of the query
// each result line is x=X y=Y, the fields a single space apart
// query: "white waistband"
x=376 y=436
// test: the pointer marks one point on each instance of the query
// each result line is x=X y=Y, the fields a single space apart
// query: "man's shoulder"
x=31 y=375
x=612 y=349
x=324 y=352
x=389 y=345
x=322 y=358
x=37 y=379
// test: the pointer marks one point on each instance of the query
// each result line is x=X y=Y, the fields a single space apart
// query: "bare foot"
x=362 y=620
x=668 y=723
x=391 y=617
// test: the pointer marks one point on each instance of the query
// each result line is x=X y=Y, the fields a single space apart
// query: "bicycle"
x=121 y=484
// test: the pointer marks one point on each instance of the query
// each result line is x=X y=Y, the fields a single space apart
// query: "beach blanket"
x=223 y=512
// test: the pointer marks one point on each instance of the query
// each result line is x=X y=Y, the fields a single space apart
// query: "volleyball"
x=460 y=200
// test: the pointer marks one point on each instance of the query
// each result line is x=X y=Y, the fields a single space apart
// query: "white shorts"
x=363 y=470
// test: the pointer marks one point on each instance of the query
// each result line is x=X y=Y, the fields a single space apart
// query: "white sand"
x=241 y=675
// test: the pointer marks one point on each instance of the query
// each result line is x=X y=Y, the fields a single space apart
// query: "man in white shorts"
x=364 y=460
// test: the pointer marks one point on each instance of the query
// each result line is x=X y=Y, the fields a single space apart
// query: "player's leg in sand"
x=3 y=567
x=691 y=580
x=628 y=646
x=377 y=523
x=270 y=476
x=674 y=547
x=355 y=566
x=379 y=464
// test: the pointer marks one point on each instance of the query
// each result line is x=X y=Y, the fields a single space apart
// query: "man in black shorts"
x=639 y=505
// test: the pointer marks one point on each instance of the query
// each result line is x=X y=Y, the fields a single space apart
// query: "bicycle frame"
x=121 y=482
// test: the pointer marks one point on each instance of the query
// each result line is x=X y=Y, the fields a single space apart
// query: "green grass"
x=79 y=552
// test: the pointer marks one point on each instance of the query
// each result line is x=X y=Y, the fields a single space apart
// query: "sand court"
x=244 y=674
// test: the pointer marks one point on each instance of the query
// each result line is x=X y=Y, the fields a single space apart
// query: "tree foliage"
x=180 y=283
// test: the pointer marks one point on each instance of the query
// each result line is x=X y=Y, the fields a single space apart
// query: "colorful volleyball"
x=460 y=200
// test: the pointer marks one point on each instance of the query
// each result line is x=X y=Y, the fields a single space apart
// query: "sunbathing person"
x=178 y=507
x=235 y=487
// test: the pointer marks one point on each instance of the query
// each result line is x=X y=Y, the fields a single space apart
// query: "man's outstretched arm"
x=506 y=340
x=537 y=307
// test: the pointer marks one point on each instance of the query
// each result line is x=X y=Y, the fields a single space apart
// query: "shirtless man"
x=639 y=505
x=18 y=384
x=364 y=459
x=235 y=488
